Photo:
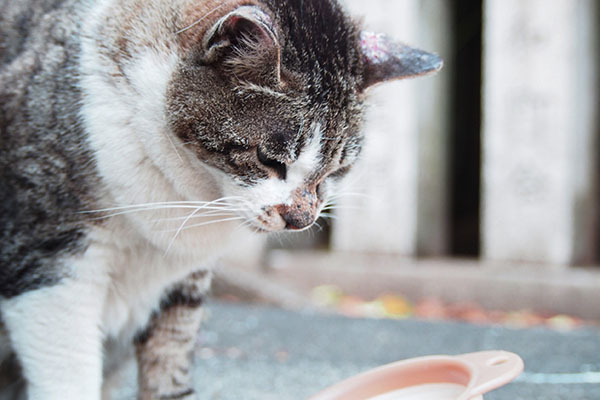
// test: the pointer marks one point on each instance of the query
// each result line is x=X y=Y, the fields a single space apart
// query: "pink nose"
x=302 y=212
x=295 y=219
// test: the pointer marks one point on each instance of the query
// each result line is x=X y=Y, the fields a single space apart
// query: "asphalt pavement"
x=249 y=352
x=257 y=353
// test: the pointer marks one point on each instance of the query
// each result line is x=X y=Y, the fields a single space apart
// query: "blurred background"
x=478 y=188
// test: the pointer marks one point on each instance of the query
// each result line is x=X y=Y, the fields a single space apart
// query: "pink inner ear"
x=374 y=47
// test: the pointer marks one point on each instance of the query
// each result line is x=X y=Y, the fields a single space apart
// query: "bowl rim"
x=479 y=372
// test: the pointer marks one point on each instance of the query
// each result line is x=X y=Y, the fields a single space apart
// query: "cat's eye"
x=278 y=167
x=340 y=172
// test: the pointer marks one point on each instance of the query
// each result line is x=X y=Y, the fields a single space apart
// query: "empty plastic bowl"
x=464 y=377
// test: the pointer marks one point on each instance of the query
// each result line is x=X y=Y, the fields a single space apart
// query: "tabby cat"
x=139 y=139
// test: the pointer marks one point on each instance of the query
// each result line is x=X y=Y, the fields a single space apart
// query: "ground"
x=252 y=352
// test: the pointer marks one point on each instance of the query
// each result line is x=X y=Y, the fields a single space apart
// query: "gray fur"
x=47 y=171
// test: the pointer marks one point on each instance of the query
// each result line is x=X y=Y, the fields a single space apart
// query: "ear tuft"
x=387 y=60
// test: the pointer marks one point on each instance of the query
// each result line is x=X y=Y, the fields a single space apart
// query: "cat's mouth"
x=264 y=230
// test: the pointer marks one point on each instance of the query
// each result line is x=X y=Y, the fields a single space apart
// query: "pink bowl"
x=476 y=373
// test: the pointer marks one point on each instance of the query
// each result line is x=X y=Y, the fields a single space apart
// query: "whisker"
x=284 y=240
x=244 y=224
x=214 y=213
x=335 y=207
x=165 y=203
x=311 y=231
x=328 y=216
x=211 y=222
x=182 y=226
x=201 y=19
x=341 y=195
x=173 y=146
x=151 y=209
x=179 y=230
x=319 y=225
x=218 y=204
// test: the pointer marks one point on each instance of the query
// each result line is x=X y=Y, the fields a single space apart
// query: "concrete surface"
x=260 y=353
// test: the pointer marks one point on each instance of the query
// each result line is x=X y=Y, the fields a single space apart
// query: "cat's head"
x=269 y=97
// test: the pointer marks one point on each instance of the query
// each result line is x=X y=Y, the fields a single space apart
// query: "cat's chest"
x=138 y=275
x=136 y=283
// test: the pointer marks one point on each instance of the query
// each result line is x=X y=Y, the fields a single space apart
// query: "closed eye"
x=278 y=167
x=340 y=172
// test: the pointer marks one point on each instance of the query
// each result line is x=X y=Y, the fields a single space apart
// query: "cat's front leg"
x=165 y=348
x=55 y=333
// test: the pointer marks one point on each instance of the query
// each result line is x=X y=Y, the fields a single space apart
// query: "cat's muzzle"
x=302 y=212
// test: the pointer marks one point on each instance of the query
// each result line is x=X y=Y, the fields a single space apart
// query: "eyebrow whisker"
x=201 y=19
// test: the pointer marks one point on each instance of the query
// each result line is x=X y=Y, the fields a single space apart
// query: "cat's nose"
x=295 y=217
x=302 y=212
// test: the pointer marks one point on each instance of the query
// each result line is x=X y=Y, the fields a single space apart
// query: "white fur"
x=56 y=334
x=138 y=275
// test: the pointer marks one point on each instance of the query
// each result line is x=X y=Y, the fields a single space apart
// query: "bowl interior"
x=430 y=391
x=416 y=375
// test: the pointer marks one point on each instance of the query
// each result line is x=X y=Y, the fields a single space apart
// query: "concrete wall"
x=396 y=198
x=540 y=130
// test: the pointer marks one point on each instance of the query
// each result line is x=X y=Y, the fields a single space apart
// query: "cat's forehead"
x=320 y=42
x=224 y=101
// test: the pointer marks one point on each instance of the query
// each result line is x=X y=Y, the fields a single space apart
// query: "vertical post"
x=435 y=34
x=540 y=88
x=400 y=182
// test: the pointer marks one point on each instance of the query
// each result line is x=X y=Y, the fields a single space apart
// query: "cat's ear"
x=387 y=60
x=245 y=42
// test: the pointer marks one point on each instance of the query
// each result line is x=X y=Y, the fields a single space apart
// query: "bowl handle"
x=491 y=369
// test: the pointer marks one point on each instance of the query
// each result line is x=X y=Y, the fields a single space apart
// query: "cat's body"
x=138 y=142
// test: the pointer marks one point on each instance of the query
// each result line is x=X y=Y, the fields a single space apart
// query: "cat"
x=140 y=140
